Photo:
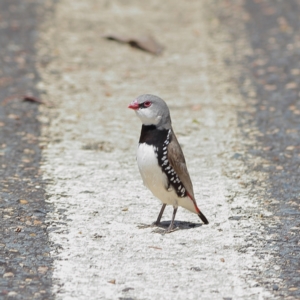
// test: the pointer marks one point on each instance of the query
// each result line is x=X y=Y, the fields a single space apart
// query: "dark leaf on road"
x=32 y=99
x=145 y=42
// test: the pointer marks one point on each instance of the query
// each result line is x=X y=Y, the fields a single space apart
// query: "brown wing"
x=177 y=162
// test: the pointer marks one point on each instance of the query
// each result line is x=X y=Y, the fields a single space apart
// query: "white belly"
x=156 y=181
x=154 y=178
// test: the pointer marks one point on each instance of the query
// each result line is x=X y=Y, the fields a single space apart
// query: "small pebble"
x=127 y=289
x=12 y=294
x=197 y=269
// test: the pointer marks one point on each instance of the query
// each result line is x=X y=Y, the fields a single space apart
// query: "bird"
x=160 y=158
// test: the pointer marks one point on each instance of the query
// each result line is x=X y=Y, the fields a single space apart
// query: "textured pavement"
x=230 y=75
x=25 y=262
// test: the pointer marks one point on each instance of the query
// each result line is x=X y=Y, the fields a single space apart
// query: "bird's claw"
x=169 y=230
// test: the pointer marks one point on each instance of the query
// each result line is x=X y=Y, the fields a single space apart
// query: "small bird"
x=160 y=159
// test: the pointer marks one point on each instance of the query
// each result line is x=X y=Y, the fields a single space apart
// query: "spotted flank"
x=159 y=140
x=173 y=180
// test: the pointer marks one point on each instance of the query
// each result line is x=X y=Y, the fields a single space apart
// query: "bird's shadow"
x=163 y=226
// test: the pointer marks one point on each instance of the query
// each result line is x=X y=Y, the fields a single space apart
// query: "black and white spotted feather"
x=160 y=139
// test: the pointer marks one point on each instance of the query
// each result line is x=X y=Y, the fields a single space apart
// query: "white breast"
x=154 y=178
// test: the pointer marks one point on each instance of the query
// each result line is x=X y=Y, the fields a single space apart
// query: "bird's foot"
x=171 y=229
x=165 y=231
x=158 y=230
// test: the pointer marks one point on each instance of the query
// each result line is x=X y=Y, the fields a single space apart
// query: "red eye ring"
x=147 y=103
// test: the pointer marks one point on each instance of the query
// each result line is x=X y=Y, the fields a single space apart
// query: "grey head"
x=152 y=110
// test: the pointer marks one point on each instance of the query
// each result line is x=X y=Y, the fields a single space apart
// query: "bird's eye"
x=147 y=103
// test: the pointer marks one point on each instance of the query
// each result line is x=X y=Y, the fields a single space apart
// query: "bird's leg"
x=170 y=228
x=160 y=215
x=157 y=222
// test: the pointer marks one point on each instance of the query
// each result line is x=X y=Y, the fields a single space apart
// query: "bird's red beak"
x=134 y=105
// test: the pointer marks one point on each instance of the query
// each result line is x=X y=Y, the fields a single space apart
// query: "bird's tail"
x=202 y=217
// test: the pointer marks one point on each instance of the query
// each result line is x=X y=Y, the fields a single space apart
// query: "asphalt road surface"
x=72 y=203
